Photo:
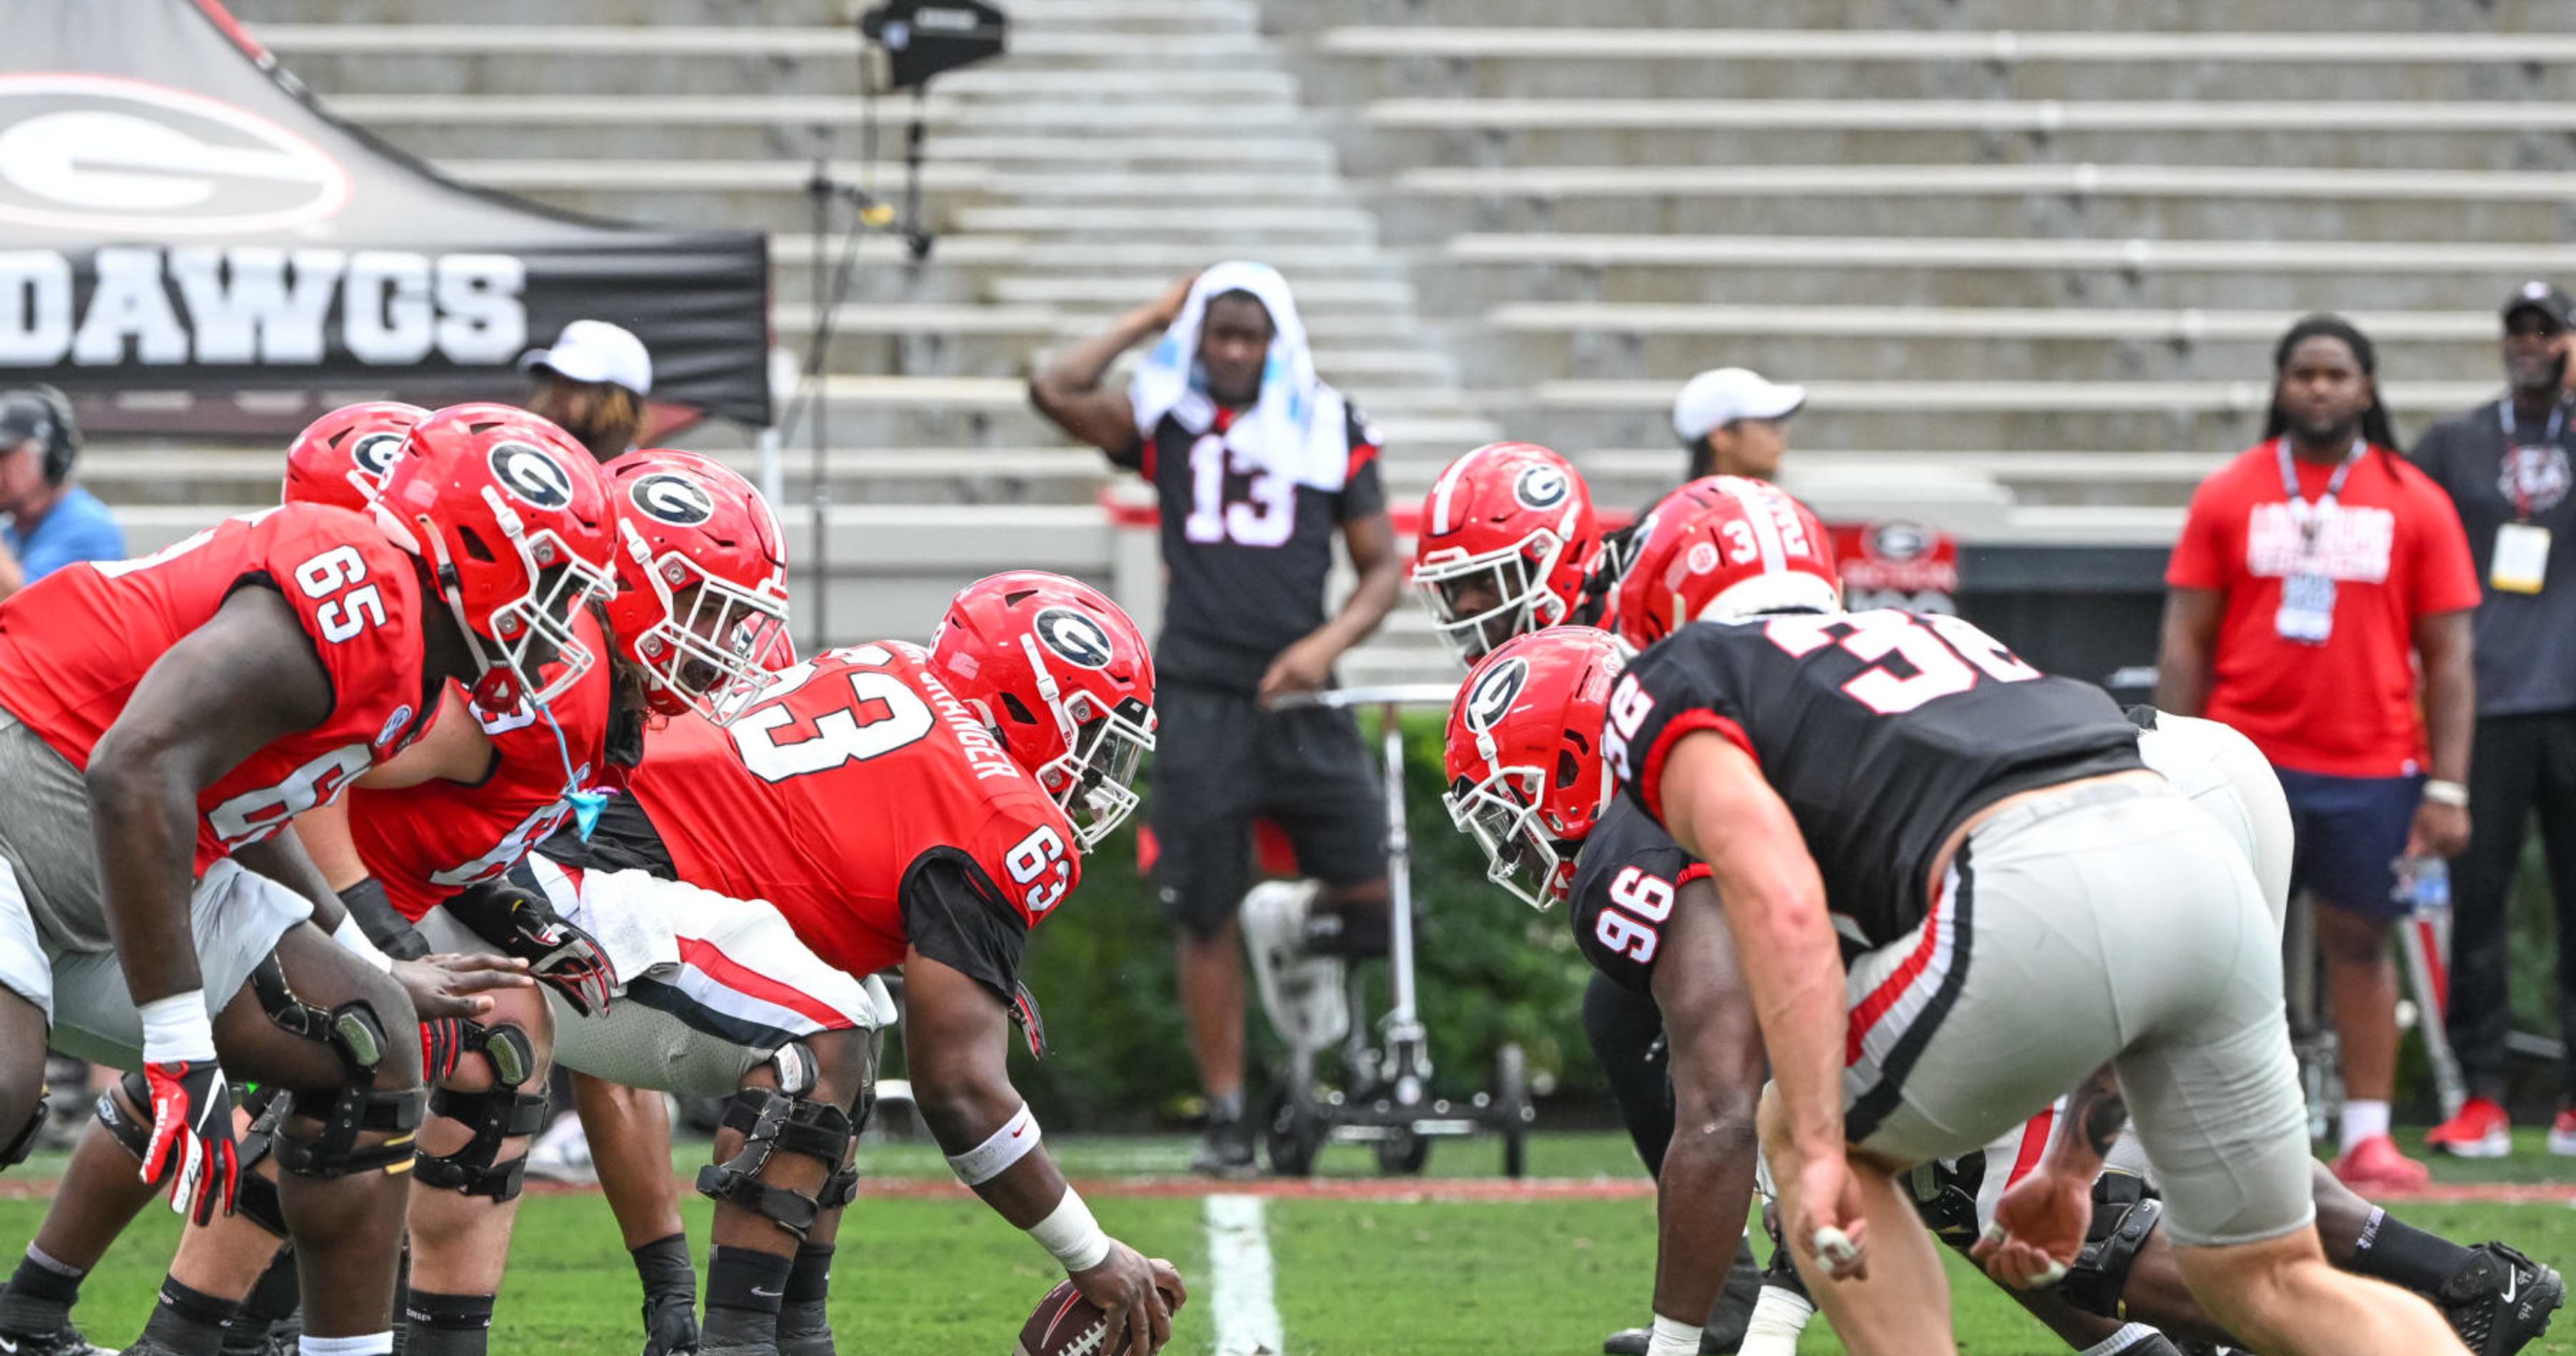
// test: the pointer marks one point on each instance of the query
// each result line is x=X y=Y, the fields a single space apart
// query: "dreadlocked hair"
x=2376 y=429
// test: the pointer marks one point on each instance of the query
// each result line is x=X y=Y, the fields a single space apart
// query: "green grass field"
x=941 y=1275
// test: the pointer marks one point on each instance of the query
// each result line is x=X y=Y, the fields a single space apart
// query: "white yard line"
x=1247 y=1317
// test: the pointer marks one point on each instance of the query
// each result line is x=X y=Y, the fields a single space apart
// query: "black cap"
x=2545 y=297
x=26 y=417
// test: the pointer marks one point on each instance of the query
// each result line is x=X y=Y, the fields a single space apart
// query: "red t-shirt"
x=74 y=645
x=825 y=796
x=2394 y=547
x=424 y=843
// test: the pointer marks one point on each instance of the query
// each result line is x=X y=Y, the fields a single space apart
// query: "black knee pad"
x=2125 y=1211
x=134 y=1135
x=254 y=1196
x=506 y=1048
x=25 y=1143
x=358 y=1036
x=774 y=1122
x=495 y=1116
x=1945 y=1196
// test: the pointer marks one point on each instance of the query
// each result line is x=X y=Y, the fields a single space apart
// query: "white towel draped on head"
x=1299 y=428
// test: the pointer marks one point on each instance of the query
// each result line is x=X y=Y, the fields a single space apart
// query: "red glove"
x=192 y=1137
x=442 y=1044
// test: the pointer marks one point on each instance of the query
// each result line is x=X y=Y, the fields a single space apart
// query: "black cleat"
x=2501 y=1300
x=671 y=1324
x=63 y=1341
x=1227 y=1150
x=1626 y=1342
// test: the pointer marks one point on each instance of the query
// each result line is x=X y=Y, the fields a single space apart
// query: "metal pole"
x=819 y=492
x=1402 y=1024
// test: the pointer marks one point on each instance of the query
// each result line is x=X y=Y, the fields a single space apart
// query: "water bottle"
x=2430 y=878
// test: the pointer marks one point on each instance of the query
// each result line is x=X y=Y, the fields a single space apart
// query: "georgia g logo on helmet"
x=673 y=498
x=530 y=474
x=1540 y=487
x=1075 y=636
x=1496 y=689
x=375 y=453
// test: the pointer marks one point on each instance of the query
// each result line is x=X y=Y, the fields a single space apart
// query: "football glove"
x=523 y=924
x=192 y=1137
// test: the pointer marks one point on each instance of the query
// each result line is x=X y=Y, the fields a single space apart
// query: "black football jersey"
x=1625 y=879
x=1245 y=554
x=1881 y=730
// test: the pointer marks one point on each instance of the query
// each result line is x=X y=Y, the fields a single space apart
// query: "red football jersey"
x=822 y=796
x=73 y=646
x=426 y=842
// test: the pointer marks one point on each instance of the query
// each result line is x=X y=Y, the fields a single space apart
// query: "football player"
x=924 y=808
x=160 y=720
x=1906 y=779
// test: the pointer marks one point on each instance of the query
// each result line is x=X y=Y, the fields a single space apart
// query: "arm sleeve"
x=2445 y=577
x=954 y=914
x=2200 y=555
x=1363 y=489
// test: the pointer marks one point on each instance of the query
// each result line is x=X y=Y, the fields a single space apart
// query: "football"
x=1066 y=1324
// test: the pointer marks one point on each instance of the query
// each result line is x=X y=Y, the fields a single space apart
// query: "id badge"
x=2306 y=614
x=2521 y=558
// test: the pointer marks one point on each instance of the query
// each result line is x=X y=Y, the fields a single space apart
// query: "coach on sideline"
x=1256 y=463
x=46 y=522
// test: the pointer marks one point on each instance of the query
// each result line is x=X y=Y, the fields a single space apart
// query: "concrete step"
x=1025 y=15
x=2355 y=16
x=993 y=411
x=1394 y=134
x=2199 y=201
x=443 y=58
x=1497 y=269
x=1232 y=232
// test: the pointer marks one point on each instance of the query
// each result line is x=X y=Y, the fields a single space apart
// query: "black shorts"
x=1220 y=760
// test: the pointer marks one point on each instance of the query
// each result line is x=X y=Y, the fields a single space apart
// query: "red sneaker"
x=2481 y=1130
x=2376 y=1165
x=2562 y=1134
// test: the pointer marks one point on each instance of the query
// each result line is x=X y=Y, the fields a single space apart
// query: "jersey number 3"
x=873 y=714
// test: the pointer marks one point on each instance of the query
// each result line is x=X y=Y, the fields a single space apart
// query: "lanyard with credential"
x=2311 y=517
x=2504 y=416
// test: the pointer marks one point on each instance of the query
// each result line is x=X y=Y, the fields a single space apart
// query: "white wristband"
x=2441 y=792
x=354 y=940
x=1672 y=1337
x=1075 y=1239
x=999 y=1150
x=177 y=1029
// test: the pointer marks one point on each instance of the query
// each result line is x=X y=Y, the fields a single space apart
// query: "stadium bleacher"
x=2041 y=262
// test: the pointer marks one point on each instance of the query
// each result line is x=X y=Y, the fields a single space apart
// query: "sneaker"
x=2376 y=1165
x=2481 y=1130
x=562 y=1154
x=1227 y=1150
x=63 y=1341
x=2562 y=1134
x=1626 y=1342
x=2501 y=1300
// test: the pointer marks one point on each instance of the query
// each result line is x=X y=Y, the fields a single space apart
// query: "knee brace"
x=772 y=1122
x=254 y=1196
x=1945 y=1196
x=354 y=1033
x=506 y=1048
x=134 y=1135
x=2125 y=1211
x=25 y=1143
x=503 y=1113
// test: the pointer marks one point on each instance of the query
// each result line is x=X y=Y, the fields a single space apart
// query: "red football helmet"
x=1507 y=534
x=702 y=580
x=1524 y=756
x=512 y=518
x=1723 y=548
x=340 y=458
x=1066 y=681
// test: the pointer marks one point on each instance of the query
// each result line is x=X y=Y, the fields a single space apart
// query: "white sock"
x=2363 y=1120
x=1778 y=1317
x=2122 y=1340
x=369 y=1344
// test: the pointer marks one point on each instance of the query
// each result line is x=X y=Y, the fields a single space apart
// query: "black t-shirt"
x=2526 y=642
x=952 y=911
x=1625 y=879
x=1245 y=555
x=1882 y=731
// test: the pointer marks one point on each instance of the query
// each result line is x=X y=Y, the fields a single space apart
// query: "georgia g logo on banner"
x=121 y=158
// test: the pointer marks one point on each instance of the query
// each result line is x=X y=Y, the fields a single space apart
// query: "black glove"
x=523 y=924
x=192 y=1137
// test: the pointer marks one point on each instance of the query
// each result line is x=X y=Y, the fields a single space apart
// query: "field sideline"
x=1352 y=1265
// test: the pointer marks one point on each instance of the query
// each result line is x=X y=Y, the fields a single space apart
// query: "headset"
x=45 y=415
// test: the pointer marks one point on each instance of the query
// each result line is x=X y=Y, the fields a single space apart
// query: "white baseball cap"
x=1717 y=398
x=594 y=350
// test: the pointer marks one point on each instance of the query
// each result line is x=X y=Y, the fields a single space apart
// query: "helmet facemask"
x=533 y=630
x=1514 y=577
x=704 y=649
x=1502 y=814
x=1093 y=780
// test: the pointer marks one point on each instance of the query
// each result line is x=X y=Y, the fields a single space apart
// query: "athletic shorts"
x=53 y=915
x=2107 y=923
x=2351 y=831
x=708 y=987
x=1223 y=760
